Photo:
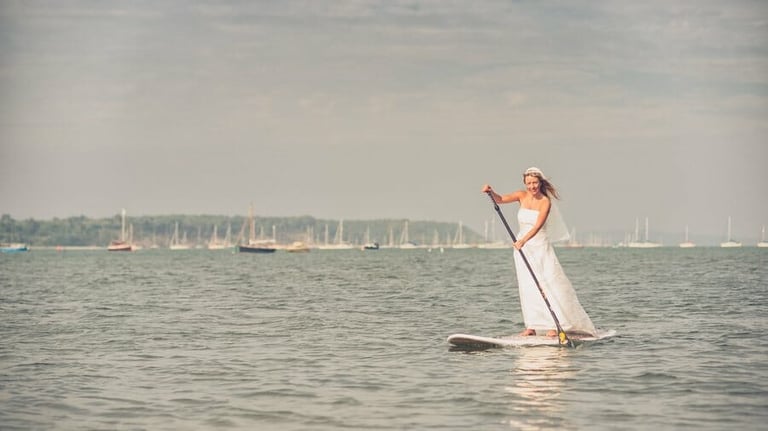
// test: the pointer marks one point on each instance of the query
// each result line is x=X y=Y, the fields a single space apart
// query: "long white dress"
x=560 y=293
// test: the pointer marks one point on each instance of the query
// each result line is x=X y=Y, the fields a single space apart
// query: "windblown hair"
x=547 y=188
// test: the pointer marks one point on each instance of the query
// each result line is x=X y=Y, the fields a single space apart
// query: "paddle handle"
x=564 y=340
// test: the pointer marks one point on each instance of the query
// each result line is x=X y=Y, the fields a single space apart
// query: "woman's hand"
x=486 y=188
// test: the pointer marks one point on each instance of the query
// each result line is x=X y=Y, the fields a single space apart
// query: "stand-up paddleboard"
x=478 y=342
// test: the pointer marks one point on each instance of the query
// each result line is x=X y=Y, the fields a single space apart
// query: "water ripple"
x=162 y=340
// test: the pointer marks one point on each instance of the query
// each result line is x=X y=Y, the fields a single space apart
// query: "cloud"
x=413 y=86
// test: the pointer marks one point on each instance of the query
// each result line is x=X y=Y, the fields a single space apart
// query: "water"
x=327 y=340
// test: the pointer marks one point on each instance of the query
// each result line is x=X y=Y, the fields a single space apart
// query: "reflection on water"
x=539 y=376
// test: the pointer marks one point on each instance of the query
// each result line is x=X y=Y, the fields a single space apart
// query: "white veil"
x=557 y=231
x=555 y=226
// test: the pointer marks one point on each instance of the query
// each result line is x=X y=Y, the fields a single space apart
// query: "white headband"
x=536 y=171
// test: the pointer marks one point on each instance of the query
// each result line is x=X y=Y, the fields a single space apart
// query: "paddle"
x=564 y=340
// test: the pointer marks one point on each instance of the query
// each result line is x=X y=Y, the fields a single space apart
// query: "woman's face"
x=532 y=184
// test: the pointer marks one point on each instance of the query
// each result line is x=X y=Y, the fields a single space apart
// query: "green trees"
x=157 y=230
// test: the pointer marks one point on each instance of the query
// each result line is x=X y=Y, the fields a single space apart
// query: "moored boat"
x=121 y=244
x=15 y=247
x=647 y=243
x=263 y=247
x=253 y=245
x=730 y=243
x=368 y=244
x=762 y=243
x=687 y=243
x=216 y=244
x=297 y=247
x=118 y=245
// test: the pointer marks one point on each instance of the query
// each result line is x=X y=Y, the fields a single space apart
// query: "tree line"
x=198 y=229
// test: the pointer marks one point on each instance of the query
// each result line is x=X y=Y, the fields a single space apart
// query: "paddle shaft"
x=564 y=340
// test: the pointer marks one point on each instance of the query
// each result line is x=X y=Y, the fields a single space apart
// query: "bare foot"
x=528 y=332
x=552 y=333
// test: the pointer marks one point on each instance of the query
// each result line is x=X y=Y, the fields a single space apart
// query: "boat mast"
x=646 y=229
x=637 y=229
x=122 y=227
x=251 y=226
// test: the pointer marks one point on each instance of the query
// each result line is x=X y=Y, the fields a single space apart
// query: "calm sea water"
x=165 y=340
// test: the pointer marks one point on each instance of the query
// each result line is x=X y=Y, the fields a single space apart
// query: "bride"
x=540 y=225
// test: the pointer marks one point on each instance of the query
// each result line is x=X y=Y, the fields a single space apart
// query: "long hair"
x=547 y=188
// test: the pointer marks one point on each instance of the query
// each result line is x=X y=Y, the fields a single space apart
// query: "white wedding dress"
x=541 y=256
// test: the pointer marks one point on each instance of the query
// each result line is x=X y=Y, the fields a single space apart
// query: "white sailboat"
x=730 y=243
x=492 y=242
x=762 y=242
x=642 y=244
x=436 y=242
x=122 y=244
x=368 y=244
x=687 y=243
x=572 y=241
x=405 y=242
x=458 y=241
x=216 y=244
x=338 y=240
x=176 y=243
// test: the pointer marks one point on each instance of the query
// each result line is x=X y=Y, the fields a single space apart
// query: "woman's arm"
x=543 y=214
x=503 y=199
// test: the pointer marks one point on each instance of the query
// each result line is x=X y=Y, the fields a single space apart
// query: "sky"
x=368 y=109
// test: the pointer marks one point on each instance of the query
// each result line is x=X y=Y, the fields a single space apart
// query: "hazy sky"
x=387 y=109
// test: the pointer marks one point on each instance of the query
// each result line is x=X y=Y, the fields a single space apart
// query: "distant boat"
x=572 y=242
x=368 y=245
x=642 y=244
x=216 y=244
x=257 y=247
x=762 y=242
x=687 y=243
x=177 y=244
x=338 y=240
x=491 y=243
x=121 y=244
x=730 y=243
x=458 y=241
x=254 y=246
x=405 y=241
x=297 y=247
x=15 y=247
x=495 y=245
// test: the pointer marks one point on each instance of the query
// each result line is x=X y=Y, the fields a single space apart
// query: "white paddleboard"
x=479 y=342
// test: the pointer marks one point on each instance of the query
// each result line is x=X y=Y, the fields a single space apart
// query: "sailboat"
x=121 y=244
x=687 y=243
x=215 y=243
x=176 y=243
x=572 y=241
x=254 y=246
x=730 y=243
x=405 y=242
x=368 y=245
x=642 y=244
x=458 y=241
x=338 y=239
x=490 y=241
x=762 y=242
x=298 y=247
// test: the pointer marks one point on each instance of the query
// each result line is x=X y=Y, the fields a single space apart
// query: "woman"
x=538 y=226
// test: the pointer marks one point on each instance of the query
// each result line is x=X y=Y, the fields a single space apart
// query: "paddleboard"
x=479 y=342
